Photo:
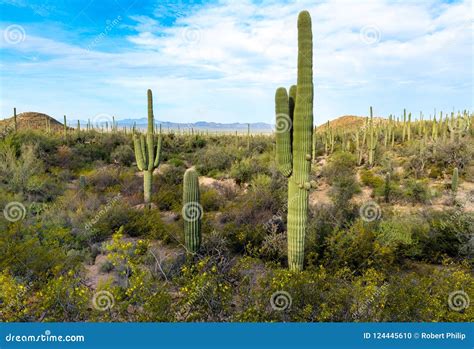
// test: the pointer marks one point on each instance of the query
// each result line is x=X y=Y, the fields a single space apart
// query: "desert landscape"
x=358 y=218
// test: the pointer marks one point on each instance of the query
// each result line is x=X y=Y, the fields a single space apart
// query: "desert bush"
x=243 y=171
x=450 y=234
x=369 y=179
x=146 y=223
x=17 y=171
x=196 y=142
x=211 y=199
x=340 y=173
x=423 y=295
x=104 y=178
x=169 y=198
x=339 y=164
x=139 y=297
x=123 y=155
x=417 y=191
x=403 y=235
x=170 y=175
x=321 y=223
x=315 y=295
x=206 y=294
x=357 y=248
x=116 y=215
x=454 y=154
x=15 y=298
x=274 y=247
x=64 y=298
x=176 y=162
x=213 y=159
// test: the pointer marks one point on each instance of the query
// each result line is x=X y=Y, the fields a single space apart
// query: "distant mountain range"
x=37 y=120
x=200 y=125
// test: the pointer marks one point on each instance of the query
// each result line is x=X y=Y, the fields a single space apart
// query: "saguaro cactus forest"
x=273 y=185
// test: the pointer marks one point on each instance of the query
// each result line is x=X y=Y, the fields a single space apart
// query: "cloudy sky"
x=222 y=60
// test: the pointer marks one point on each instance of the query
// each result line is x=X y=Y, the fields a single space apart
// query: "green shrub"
x=404 y=235
x=357 y=248
x=450 y=235
x=206 y=294
x=340 y=164
x=214 y=158
x=243 y=171
x=424 y=295
x=340 y=173
x=17 y=171
x=106 y=267
x=211 y=199
x=369 y=179
x=146 y=223
x=168 y=198
x=274 y=247
x=123 y=155
x=176 y=162
x=417 y=191
x=103 y=179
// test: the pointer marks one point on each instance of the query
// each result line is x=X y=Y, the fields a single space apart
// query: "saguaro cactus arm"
x=283 y=132
x=138 y=152
x=156 y=163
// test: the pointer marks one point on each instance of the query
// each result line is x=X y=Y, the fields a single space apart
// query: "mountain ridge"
x=37 y=119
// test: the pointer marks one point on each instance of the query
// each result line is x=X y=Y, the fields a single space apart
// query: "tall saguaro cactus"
x=192 y=210
x=372 y=141
x=294 y=141
x=147 y=151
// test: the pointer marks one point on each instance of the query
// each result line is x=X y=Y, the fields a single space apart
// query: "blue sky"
x=222 y=60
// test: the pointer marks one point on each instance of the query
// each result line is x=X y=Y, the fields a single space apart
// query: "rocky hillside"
x=31 y=120
x=348 y=123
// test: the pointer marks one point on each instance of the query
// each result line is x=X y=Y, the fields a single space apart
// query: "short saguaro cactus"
x=192 y=211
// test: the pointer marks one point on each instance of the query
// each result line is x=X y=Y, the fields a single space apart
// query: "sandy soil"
x=221 y=185
x=94 y=277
